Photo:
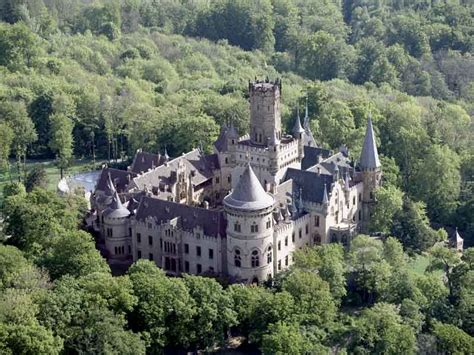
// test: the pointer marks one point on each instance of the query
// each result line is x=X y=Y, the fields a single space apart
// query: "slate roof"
x=116 y=209
x=311 y=184
x=143 y=161
x=311 y=156
x=249 y=193
x=199 y=165
x=369 y=158
x=221 y=142
x=297 y=128
x=212 y=222
x=120 y=178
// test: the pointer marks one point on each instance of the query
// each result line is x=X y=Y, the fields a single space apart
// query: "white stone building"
x=243 y=210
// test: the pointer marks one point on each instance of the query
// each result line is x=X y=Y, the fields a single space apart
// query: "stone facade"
x=241 y=211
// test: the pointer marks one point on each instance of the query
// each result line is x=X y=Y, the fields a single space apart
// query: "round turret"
x=115 y=225
x=249 y=211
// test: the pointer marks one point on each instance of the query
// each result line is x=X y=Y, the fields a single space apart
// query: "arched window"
x=269 y=255
x=237 y=258
x=255 y=259
x=254 y=228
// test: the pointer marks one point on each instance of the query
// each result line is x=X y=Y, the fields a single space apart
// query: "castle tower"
x=115 y=226
x=249 y=210
x=265 y=117
x=371 y=172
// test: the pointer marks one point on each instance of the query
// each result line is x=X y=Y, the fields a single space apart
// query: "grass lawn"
x=52 y=172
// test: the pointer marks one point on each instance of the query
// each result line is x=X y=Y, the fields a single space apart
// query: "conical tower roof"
x=116 y=208
x=249 y=193
x=297 y=128
x=369 y=158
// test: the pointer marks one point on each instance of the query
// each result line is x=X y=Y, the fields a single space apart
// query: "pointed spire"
x=306 y=115
x=249 y=193
x=369 y=158
x=297 y=129
x=110 y=185
x=325 y=196
x=167 y=157
x=233 y=131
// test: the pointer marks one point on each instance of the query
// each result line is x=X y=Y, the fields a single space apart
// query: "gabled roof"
x=200 y=167
x=249 y=193
x=120 y=179
x=369 y=158
x=143 y=161
x=212 y=222
x=312 y=185
x=311 y=156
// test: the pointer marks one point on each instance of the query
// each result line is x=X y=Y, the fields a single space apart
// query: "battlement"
x=265 y=86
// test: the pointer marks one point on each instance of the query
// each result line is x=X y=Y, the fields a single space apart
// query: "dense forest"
x=101 y=79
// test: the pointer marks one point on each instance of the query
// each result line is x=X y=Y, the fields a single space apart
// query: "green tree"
x=411 y=226
x=24 y=133
x=214 y=311
x=436 y=181
x=452 y=340
x=389 y=203
x=19 y=47
x=36 y=177
x=380 y=329
x=6 y=140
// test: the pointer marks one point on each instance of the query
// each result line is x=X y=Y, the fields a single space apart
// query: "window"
x=115 y=249
x=129 y=249
x=139 y=254
x=279 y=245
x=269 y=224
x=286 y=260
x=237 y=226
x=255 y=259
x=130 y=232
x=186 y=248
x=211 y=253
x=109 y=232
x=161 y=243
x=306 y=229
x=229 y=179
x=139 y=238
x=360 y=215
x=254 y=228
x=371 y=195
x=286 y=241
x=293 y=237
x=198 y=251
x=150 y=240
x=150 y=256
x=217 y=179
x=279 y=265
x=299 y=234
x=269 y=255
x=237 y=258
x=198 y=268
x=360 y=197
x=316 y=221
x=353 y=201
x=186 y=266
x=227 y=160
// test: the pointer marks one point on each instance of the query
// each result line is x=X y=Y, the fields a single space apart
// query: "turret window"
x=139 y=238
x=353 y=201
x=286 y=241
x=237 y=258
x=269 y=224
x=269 y=255
x=255 y=259
x=254 y=228
x=316 y=221
x=237 y=226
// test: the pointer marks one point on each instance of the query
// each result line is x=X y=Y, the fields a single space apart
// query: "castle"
x=243 y=210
